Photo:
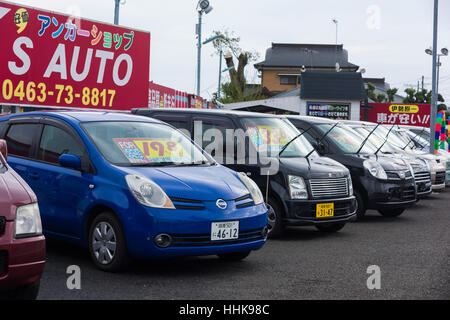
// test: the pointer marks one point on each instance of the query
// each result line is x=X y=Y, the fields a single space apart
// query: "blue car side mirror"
x=70 y=161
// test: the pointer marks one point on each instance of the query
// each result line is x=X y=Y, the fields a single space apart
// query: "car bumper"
x=391 y=194
x=190 y=231
x=438 y=180
x=447 y=178
x=303 y=212
x=24 y=259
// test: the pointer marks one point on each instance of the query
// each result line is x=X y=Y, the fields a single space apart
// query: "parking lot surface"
x=412 y=252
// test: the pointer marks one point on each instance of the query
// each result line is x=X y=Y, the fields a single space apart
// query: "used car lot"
x=97 y=189
x=412 y=252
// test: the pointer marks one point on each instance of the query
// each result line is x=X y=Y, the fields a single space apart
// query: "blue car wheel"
x=107 y=243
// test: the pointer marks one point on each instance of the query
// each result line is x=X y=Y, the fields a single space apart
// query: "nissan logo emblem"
x=221 y=204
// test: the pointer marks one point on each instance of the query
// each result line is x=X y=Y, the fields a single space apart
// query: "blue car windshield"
x=143 y=144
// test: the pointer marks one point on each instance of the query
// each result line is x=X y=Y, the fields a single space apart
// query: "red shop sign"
x=399 y=113
x=51 y=59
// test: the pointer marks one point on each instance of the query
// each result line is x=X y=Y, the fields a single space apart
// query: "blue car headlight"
x=148 y=193
x=252 y=188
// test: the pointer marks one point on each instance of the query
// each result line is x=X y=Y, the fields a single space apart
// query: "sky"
x=385 y=37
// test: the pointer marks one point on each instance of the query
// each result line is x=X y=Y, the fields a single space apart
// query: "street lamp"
x=336 y=23
x=203 y=6
x=444 y=52
x=433 y=110
x=116 y=10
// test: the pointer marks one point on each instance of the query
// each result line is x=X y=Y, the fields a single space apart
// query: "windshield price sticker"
x=267 y=136
x=146 y=150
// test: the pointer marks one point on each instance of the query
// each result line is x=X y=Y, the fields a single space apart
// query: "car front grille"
x=187 y=204
x=329 y=188
x=423 y=181
x=192 y=204
x=399 y=175
x=204 y=240
x=2 y=225
x=440 y=177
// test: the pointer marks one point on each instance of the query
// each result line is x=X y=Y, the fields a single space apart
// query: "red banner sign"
x=50 y=59
x=401 y=114
x=164 y=97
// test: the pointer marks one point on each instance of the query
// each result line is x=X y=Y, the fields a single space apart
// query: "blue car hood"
x=206 y=183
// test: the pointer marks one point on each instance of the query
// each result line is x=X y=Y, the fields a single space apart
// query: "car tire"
x=234 y=256
x=27 y=292
x=391 y=213
x=275 y=218
x=360 y=206
x=330 y=227
x=107 y=244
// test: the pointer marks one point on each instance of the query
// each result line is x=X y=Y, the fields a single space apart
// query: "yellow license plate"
x=324 y=210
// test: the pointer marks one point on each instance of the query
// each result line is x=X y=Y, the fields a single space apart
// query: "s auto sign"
x=50 y=59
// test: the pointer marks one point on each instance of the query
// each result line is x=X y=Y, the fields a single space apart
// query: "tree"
x=380 y=97
x=236 y=90
x=420 y=96
x=391 y=94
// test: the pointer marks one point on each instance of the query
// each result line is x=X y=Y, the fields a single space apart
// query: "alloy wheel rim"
x=104 y=242
x=272 y=218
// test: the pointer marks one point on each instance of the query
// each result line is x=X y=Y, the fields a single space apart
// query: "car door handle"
x=33 y=175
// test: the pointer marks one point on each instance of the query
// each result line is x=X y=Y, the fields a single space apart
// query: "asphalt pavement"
x=412 y=252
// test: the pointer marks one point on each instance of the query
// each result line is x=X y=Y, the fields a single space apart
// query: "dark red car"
x=22 y=245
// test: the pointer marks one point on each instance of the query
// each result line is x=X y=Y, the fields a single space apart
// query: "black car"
x=381 y=183
x=302 y=188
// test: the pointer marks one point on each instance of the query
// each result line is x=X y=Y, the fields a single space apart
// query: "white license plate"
x=224 y=230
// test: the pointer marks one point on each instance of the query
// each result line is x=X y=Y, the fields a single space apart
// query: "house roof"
x=332 y=85
x=308 y=55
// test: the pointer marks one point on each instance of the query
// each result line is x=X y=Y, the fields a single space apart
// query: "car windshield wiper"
x=170 y=164
x=321 y=139
x=192 y=164
x=367 y=138
x=413 y=139
x=292 y=140
x=385 y=140
x=153 y=164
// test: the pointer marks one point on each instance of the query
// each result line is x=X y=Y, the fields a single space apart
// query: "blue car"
x=130 y=187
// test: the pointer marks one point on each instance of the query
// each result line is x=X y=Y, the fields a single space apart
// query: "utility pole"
x=203 y=6
x=116 y=12
x=434 y=78
x=219 y=89
x=423 y=79
x=199 y=50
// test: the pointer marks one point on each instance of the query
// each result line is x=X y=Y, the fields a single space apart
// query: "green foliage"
x=373 y=96
x=231 y=93
x=421 y=96
x=391 y=94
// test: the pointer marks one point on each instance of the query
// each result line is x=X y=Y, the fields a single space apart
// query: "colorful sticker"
x=144 y=150
x=347 y=143
x=267 y=137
